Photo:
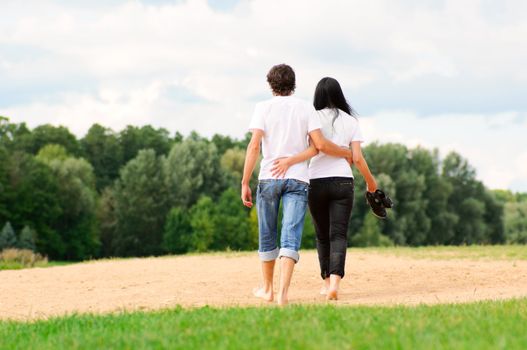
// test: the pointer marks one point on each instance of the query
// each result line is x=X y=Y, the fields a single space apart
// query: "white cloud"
x=116 y=63
x=494 y=144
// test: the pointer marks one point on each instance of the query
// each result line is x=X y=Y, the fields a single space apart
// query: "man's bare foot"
x=282 y=300
x=332 y=295
x=262 y=294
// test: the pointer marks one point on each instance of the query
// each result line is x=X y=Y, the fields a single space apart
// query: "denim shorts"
x=293 y=195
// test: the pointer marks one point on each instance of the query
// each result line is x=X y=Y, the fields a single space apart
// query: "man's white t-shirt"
x=344 y=130
x=286 y=122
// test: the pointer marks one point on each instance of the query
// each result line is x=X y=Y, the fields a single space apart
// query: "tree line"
x=143 y=191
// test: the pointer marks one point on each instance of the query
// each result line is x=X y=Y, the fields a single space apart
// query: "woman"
x=331 y=181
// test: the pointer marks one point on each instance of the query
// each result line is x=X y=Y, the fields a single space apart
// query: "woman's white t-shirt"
x=344 y=130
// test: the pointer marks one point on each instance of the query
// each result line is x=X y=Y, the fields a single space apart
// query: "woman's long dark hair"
x=328 y=94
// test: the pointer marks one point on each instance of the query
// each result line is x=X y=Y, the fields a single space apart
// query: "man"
x=282 y=125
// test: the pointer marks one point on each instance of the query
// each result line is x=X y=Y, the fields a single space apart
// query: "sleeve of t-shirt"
x=313 y=122
x=357 y=134
x=257 y=121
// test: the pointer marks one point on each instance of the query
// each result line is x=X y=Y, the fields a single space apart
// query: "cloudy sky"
x=449 y=74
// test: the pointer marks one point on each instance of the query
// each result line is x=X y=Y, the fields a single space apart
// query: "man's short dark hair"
x=281 y=78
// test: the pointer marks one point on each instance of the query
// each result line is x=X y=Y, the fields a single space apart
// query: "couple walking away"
x=290 y=132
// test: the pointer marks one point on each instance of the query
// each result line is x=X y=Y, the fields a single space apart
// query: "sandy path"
x=221 y=280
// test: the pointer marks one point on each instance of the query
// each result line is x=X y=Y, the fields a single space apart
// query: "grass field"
x=473 y=252
x=483 y=325
x=490 y=252
x=493 y=252
x=18 y=266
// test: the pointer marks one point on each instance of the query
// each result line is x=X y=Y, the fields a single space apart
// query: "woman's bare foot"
x=324 y=289
x=334 y=282
x=332 y=295
x=262 y=294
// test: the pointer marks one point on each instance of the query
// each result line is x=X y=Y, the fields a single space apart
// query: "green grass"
x=11 y=265
x=485 y=252
x=484 y=325
x=492 y=252
x=473 y=252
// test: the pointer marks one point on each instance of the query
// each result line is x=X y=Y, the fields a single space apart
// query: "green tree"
x=133 y=139
x=504 y=196
x=107 y=221
x=436 y=223
x=203 y=225
x=430 y=198
x=27 y=239
x=33 y=199
x=223 y=143
x=4 y=184
x=436 y=202
x=103 y=150
x=232 y=226
x=443 y=221
x=48 y=134
x=178 y=137
x=52 y=152
x=516 y=222
x=465 y=201
x=393 y=161
x=370 y=234
x=178 y=231
x=414 y=221
x=493 y=218
x=12 y=136
x=193 y=170
x=413 y=224
x=232 y=162
x=141 y=206
x=471 y=229
x=77 y=196
x=7 y=237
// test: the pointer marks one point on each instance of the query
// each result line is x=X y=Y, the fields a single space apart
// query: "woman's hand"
x=372 y=185
x=280 y=167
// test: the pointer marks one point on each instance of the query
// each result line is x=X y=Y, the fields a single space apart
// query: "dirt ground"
x=228 y=279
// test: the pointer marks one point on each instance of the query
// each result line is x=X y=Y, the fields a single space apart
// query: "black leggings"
x=330 y=204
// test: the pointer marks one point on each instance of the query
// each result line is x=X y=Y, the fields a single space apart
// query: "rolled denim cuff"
x=293 y=254
x=270 y=255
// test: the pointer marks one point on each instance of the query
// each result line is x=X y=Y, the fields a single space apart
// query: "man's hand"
x=246 y=196
x=349 y=160
x=251 y=156
x=280 y=167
